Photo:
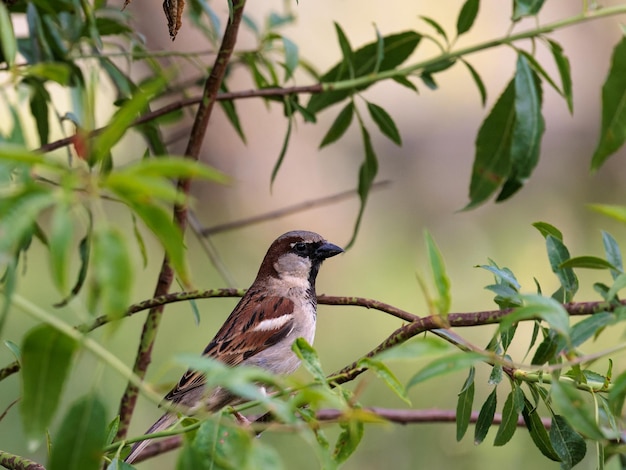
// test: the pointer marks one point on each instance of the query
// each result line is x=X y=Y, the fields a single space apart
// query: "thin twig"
x=296 y=208
x=166 y=275
x=15 y=462
x=397 y=416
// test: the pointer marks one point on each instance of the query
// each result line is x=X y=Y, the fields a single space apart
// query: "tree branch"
x=166 y=275
x=397 y=416
x=15 y=462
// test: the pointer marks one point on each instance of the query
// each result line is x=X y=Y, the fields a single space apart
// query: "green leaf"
x=492 y=162
x=60 y=243
x=230 y=110
x=217 y=445
x=617 y=394
x=537 y=306
x=538 y=432
x=283 y=149
x=547 y=349
x=478 y=81
x=8 y=44
x=397 y=48
x=557 y=254
x=467 y=16
x=78 y=444
x=84 y=250
x=526 y=8
x=614 y=211
x=547 y=229
x=384 y=122
x=589 y=262
x=528 y=128
x=348 y=440
x=112 y=272
x=436 y=26
x=14 y=348
x=291 y=57
x=613 y=129
x=613 y=254
x=112 y=429
x=464 y=405
x=173 y=167
x=566 y=442
x=385 y=374
x=485 y=417
x=562 y=64
x=123 y=119
x=574 y=408
x=438 y=268
x=589 y=327
x=503 y=275
x=367 y=174
x=340 y=125
x=117 y=464
x=39 y=100
x=46 y=358
x=445 y=365
x=346 y=51
x=510 y=415
x=309 y=358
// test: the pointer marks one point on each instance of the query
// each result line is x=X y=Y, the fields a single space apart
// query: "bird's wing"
x=256 y=323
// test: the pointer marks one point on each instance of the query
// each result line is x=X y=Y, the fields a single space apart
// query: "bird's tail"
x=162 y=423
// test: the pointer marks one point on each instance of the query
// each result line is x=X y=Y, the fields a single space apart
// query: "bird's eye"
x=300 y=247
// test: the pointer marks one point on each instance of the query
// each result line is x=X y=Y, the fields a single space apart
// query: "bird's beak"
x=327 y=250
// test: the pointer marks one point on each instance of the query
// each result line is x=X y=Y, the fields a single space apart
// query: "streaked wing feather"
x=237 y=340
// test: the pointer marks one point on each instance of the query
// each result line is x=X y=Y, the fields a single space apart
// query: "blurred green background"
x=430 y=178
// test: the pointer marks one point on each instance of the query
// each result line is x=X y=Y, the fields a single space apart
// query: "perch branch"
x=166 y=275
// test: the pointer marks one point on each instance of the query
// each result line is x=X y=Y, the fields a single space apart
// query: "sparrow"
x=279 y=307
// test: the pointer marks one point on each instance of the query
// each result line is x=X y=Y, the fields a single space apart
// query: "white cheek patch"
x=272 y=323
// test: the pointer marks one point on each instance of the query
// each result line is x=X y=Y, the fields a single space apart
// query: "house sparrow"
x=279 y=307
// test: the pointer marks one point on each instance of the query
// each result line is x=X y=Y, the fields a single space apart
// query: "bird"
x=279 y=307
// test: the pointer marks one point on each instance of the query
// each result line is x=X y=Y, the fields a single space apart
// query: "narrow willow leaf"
x=547 y=349
x=528 y=129
x=384 y=122
x=405 y=82
x=445 y=365
x=557 y=254
x=117 y=464
x=46 y=358
x=367 y=174
x=339 y=126
x=140 y=241
x=510 y=414
x=112 y=272
x=286 y=140
x=346 y=50
x=496 y=375
x=547 y=229
x=384 y=373
x=613 y=128
x=309 y=358
x=567 y=443
x=478 y=81
x=613 y=254
x=8 y=43
x=291 y=57
x=589 y=327
x=173 y=167
x=526 y=8
x=464 y=405
x=502 y=275
x=84 y=251
x=562 y=64
x=348 y=440
x=14 y=348
x=485 y=417
x=492 y=161
x=122 y=120
x=467 y=16
x=438 y=268
x=537 y=432
x=78 y=444
x=59 y=244
x=380 y=50
x=436 y=26
x=230 y=110
x=619 y=284
x=39 y=100
x=414 y=348
x=397 y=48
x=617 y=394
x=589 y=262
x=112 y=429
x=537 y=306
x=575 y=410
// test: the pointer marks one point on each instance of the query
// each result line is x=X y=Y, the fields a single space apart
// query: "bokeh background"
x=429 y=178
